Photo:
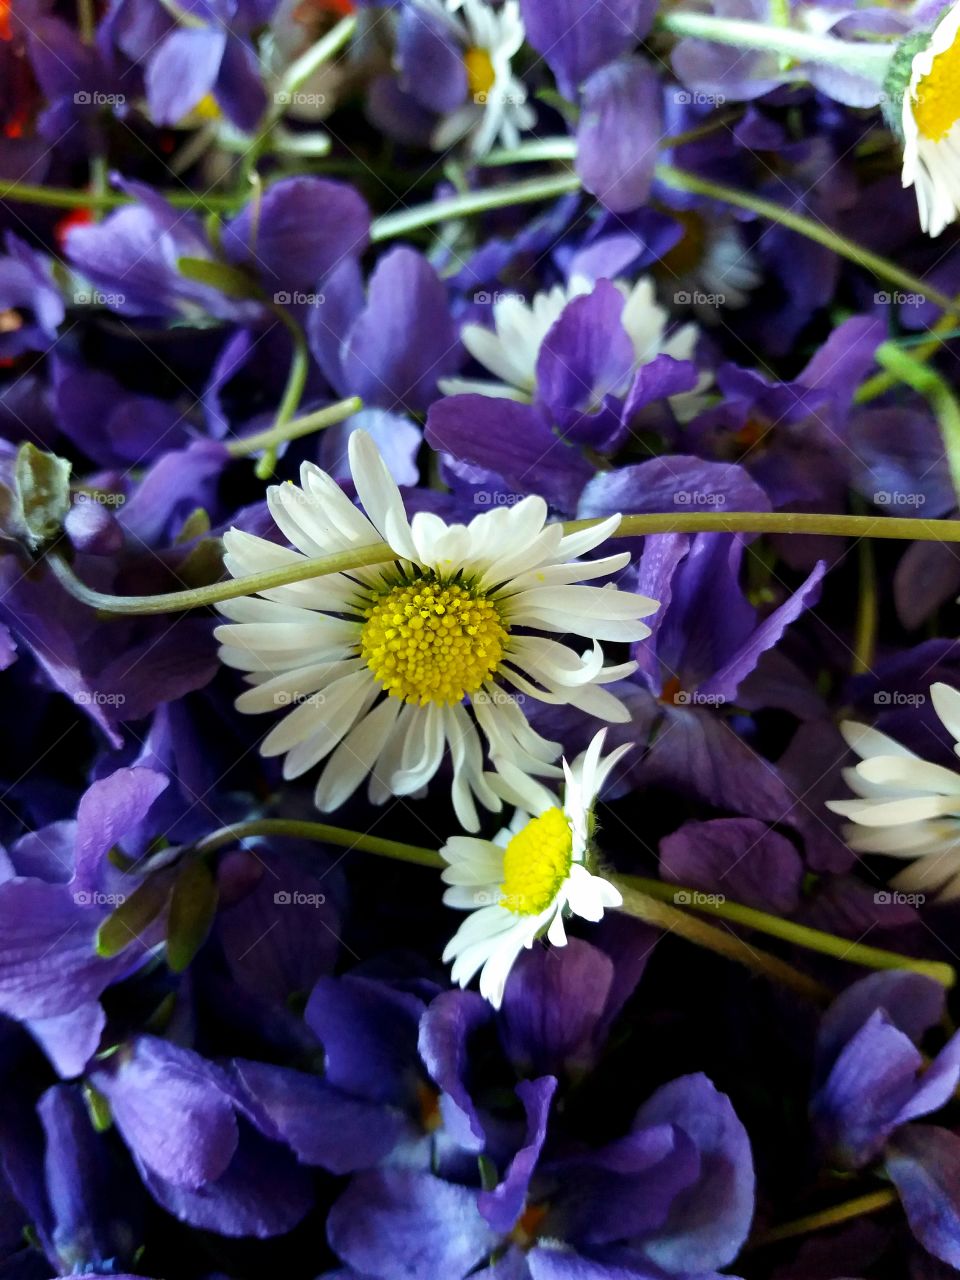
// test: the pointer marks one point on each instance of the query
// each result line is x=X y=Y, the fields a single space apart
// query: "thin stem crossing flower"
x=386 y=669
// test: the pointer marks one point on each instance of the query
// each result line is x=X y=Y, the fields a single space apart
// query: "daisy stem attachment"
x=937 y=391
x=296 y=428
x=643 y=906
x=881 y=267
x=873 y=1202
x=800 y=935
x=897 y=527
x=295 y=829
x=803 y=46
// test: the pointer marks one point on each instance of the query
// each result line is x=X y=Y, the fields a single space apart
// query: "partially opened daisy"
x=522 y=883
x=908 y=807
x=926 y=72
x=389 y=668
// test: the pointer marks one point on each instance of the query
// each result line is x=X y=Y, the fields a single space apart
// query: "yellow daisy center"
x=535 y=864
x=427 y=641
x=481 y=76
x=936 y=99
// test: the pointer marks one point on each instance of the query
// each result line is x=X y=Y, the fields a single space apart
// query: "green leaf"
x=134 y=914
x=231 y=281
x=98 y=1108
x=193 y=906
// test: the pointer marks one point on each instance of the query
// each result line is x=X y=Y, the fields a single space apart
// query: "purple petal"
x=872 y=1080
x=671 y=484
x=263 y=1193
x=183 y=70
x=430 y=63
x=239 y=87
x=576 y=40
x=71 y=1039
x=502 y=1206
x=709 y=1223
x=725 y=682
x=397 y=1224
x=912 y=1003
x=404 y=339
x=554 y=1001
x=445 y=1031
x=587 y=354
x=619 y=134
x=661 y=378
x=108 y=811
x=738 y=857
x=369 y=1035
x=323 y=1125
x=173 y=1109
x=924 y=1165
x=514 y=440
x=299 y=231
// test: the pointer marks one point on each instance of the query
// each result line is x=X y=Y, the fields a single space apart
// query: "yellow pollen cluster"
x=936 y=101
x=535 y=864
x=481 y=76
x=426 y=642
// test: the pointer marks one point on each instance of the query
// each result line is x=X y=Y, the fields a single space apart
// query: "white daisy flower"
x=388 y=667
x=908 y=807
x=497 y=110
x=511 y=349
x=520 y=884
x=930 y=123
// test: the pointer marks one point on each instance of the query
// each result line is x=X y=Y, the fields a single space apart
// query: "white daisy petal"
x=907 y=807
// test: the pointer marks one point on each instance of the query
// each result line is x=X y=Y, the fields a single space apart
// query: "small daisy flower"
x=930 y=120
x=388 y=668
x=908 y=807
x=521 y=883
x=496 y=109
x=511 y=349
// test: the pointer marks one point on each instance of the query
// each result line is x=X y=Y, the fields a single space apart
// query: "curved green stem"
x=804 y=46
x=789 y=931
x=199 y=597
x=296 y=830
x=865 y=634
x=297 y=428
x=873 y=1202
x=643 y=906
x=630 y=527
x=61 y=198
x=300 y=71
x=399 y=224
x=881 y=267
x=927 y=345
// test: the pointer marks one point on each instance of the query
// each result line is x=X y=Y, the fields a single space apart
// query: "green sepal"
x=193 y=907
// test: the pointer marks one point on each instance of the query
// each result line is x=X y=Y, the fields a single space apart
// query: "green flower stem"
x=799 y=934
x=198 y=597
x=643 y=906
x=296 y=428
x=873 y=1202
x=934 y=388
x=296 y=830
x=943 y=331
x=813 y=230
x=61 y=198
x=868 y=609
x=559 y=148
x=400 y=224
x=630 y=527
x=293 y=393
x=300 y=71
x=804 y=46
x=636 y=904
